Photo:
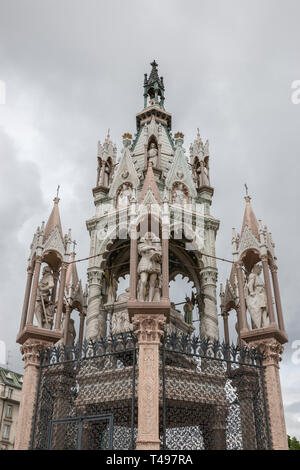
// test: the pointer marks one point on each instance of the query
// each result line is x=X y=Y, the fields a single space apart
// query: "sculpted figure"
x=112 y=289
x=152 y=154
x=256 y=298
x=204 y=173
x=44 y=309
x=149 y=268
x=124 y=195
x=188 y=309
x=179 y=196
x=120 y=319
x=71 y=335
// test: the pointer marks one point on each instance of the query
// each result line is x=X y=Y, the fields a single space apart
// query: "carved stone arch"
x=152 y=139
x=184 y=263
x=176 y=185
x=53 y=258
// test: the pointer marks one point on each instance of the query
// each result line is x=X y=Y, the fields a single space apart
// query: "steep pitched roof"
x=150 y=184
x=250 y=219
x=53 y=221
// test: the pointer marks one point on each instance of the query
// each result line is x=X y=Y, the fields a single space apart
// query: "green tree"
x=293 y=443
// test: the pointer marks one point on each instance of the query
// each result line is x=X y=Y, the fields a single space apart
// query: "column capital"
x=273 y=268
x=31 y=350
x=149 y=328
x=271 y=351
x=264 y=258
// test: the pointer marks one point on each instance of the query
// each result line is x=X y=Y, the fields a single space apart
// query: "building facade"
x=10 y=397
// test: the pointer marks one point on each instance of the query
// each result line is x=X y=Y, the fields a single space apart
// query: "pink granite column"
x=66 y=323
x=149 y=329
x=265 y=266
x=165 y=265
x=36 y=276
x=277 y=297
x=133 y=266
x=53 y=295
x=81 y=329
x=60 y=302
x=272 y=351
x=242 y=310
x=226 y=329
x=26 y=298
x=31 y=352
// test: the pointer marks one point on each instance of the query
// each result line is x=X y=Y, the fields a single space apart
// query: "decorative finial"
x=247 y=197
x=57 y=191
x=56 y=199
x=154 y=64
x=246 y=187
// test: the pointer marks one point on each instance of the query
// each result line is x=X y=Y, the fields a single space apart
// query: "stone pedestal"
x=31 y=355
x=149 y=329
x=272 y=349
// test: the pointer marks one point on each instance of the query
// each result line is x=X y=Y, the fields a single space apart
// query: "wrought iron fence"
x=212 y=396
x=86 y=398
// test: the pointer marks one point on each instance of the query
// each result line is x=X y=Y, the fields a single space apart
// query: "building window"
x=6 y=430
x=9 y=411
x=10 y=392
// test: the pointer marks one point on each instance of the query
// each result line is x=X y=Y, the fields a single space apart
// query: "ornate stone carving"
x=247 y=241
x=44 y=308
x=179 y=194
x=149 y=328
x=256 y=298
x=149 y=269
x=152 y=154
x=124 y=195
x=120 y=320
x=31 y=350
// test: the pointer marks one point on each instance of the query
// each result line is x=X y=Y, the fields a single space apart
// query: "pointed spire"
x=54 y=219
x=249 y=217
x=150 y=183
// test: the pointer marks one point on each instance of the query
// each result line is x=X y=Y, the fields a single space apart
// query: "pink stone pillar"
x=31 y=356
x=149 y=329
x=66 y=323
x=242 y=310
x=36 y=276
x=53 y=295
x=226 y=329
x=60 y=302
x=277 y=297
x=272 y=351
x=133 y=266
x=165 y=265
x=26 y=298
x=265 y=266
x=81 y=328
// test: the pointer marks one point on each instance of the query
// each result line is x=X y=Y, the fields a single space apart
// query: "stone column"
x=272 y=351
x=31 y=352
x=95 y=326
x=60 y=302
x=242 y=309
x=133 y=266
x=26 y=298
x=265 y=265
x=277 y=297
x=226 y=329
x=209 y=323
x=36 y=276
x=165 y=266
x=81 y=328
x=66 y=323
x=53 y=295
x=149 y=329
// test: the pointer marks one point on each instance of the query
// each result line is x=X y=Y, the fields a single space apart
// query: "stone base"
x=264 y=333
x=43 y=334
x=142 y=444
x=149 y=308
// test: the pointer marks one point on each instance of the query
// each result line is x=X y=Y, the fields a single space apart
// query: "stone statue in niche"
x=120 y=320
x=112 y=289
x=256 y=298
x=149 y=269
x=106 y=177
x=152 y=154
x=204 y=173
x=44 y=308
x=124 y=195
x=179 y=196
x=188 y=309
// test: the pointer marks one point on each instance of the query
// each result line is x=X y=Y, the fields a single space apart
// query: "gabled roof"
x=150 y=184
x=53 y=221
x=250 y=219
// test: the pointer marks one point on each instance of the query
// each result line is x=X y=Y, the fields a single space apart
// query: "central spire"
x=154 y=88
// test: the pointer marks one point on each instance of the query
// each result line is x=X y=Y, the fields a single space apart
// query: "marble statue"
x=256 y=298
x=149 y=268
x=152 y=154
x=106 y=177
x=112 y=289
x=71 y=334
x=188 y=309
x=44 y=308
x=124 y=195
x=120 y=320
x=179 y=195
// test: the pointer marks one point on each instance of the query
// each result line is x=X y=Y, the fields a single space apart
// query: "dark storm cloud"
x=73 y=69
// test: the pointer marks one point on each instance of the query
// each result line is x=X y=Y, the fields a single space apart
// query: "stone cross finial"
x=57 y=191
x=74 y=244
x=246 y=187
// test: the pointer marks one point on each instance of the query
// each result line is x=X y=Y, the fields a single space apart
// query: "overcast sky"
x=73 y=69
